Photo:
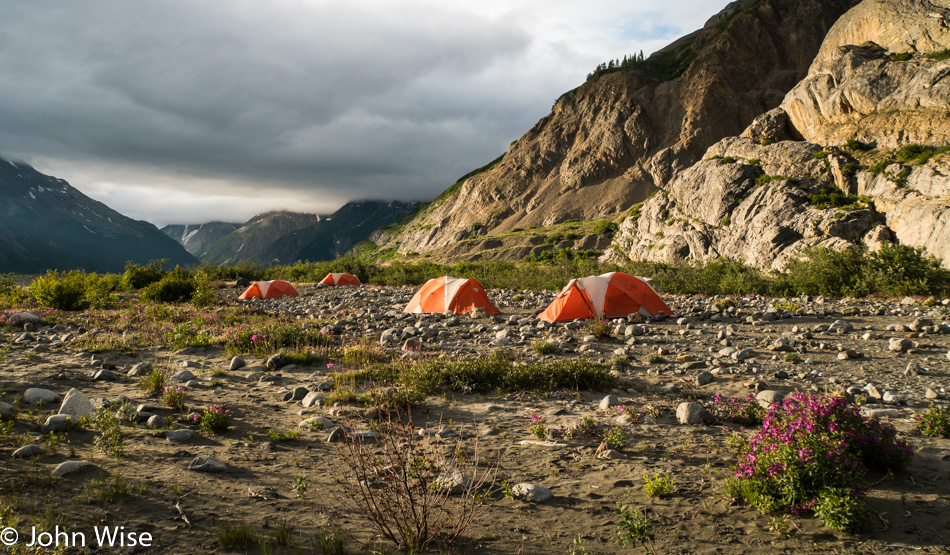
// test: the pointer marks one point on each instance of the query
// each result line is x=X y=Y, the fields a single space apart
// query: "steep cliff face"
x=759 y=204
x=862 y=93
x=609 y=143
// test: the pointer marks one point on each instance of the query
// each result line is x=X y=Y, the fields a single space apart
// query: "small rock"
x=207 y=463
x=769 y=397
x=105 y=376
x=881 y=413
x=276 y=361
x=608 y=401
x=182 y=376
x=155 y=422
x=313 y=399
x=35 y=396
x=7 y=411
x=141 y=369
x=236 y=363
x=28 y=451
x=57 y=423
x=704 y=378
x=890 y=398
x=180 y=436
x=455 y=481
x=74 y=467
x=532 y=493
x=692 y=413
x=316 y=423
x=76 y=404
x=899 y=344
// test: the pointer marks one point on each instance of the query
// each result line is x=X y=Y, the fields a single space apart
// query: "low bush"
x=810 y=445
x=75 y=290
x=178 y=286
x=498 y=372
x=934 y=422
x=136 y=276
x=214 y=419
x=409 y=490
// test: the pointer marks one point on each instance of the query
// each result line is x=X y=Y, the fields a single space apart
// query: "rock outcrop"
x=890 y=91
x=747 y=202
x=609 y=143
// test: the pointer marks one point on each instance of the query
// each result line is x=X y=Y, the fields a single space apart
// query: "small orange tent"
x=269 y=290
x=340 y=279
x=611 y=295
x=444 y=293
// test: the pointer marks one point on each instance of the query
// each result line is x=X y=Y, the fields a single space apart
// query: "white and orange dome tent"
x=343 y=278
x=611 y=295
x=273 y=289
x=445 y=293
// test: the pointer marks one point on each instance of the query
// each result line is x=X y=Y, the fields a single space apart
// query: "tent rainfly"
x=273 y=289
x=446 y=293
x=334 y=278
x=611 y=295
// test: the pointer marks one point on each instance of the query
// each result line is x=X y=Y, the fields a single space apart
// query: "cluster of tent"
x=610 y=295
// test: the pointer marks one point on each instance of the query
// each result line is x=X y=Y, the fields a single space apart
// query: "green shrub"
x=634 y=527
x=214 y=419
x=65 y=291
x=811 y=445
x=854 y=144
x=901 y=56
x=658 y=486
x=934 y=422
x=850 y=169
x=727 y=160
x=842 y=511
x=940 y=55
x=604 y=227
x=178 y=286
x=136 y=276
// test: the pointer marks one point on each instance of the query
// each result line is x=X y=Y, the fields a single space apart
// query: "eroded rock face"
x=754 y=209
x=918 y=211
x=863 y=93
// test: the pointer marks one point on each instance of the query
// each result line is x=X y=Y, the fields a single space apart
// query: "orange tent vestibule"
x=611 y=295
x=334 y=278
x=446 y=293
x=269 y=290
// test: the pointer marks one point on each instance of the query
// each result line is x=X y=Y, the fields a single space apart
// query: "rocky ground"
x=892 y=356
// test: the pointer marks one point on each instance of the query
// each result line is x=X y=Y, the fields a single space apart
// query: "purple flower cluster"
x=811 y=443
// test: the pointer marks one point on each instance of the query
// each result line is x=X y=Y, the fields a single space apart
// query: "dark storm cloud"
x=333 y=100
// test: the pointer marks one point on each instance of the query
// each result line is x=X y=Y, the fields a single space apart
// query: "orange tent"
x=612 y=295
x=340 y=279
x=444 y=293
x=269 y=290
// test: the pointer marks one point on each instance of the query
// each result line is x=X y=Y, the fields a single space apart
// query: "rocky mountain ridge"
x=45 y=223
x=612 y=141
x=813 y=152
x=854 y=97
x=292 y=236
x=196 y=237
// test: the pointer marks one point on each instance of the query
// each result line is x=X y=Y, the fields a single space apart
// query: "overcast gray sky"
x=185 y=111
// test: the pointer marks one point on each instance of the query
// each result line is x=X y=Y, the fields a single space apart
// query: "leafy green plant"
x=842 y=511
x=136 y=276
x=745 y=412
x=658 y=486
x=537 y=427
x=110 y=431
x=154 y=382
x=598 y=328
x=934 y=422
x=604 y=227
x=615 y=438
x=214 y=419
x=237 y=535
x=654 y=358
x=173 y=397
x=177 y=286
x=74 y=290
x=809 y=445
x=331 y=540
x=283 y=437
x=634 y=527
x=543 y=347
